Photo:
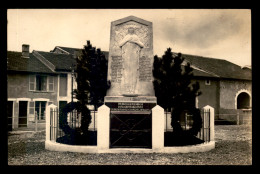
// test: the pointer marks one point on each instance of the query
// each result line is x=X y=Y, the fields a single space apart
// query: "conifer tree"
x=174 y=90
x=98 y=78
x=83 y=85
x=91 y=80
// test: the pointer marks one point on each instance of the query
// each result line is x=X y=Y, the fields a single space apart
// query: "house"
x=34 y=81
x=225 y=86
x=38 y=79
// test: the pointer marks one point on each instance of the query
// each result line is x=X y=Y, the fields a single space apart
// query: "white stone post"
x=157 y=128
x=103 y=128
x=212 y=121
x=49 y=108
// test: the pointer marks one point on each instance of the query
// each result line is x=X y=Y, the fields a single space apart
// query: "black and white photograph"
x=129 y=87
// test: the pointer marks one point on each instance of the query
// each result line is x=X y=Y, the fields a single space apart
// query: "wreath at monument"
x=63 y=117
x=177 y=120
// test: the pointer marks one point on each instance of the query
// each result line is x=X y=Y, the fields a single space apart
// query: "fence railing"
x=204 y=133
x=238 y=118
x=53 y=130
x=186 y=124
x=27 y=121
x=73 y=121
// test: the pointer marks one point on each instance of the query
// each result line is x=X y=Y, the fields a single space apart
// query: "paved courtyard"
x=233 y=147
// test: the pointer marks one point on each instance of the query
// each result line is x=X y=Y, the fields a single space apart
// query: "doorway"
x=243 y=101
x=22 y=121
x=62 y=104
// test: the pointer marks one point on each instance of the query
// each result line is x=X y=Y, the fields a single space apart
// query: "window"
x=50 y=102
x=41 y=83
x=207 y=82
x=40 y=107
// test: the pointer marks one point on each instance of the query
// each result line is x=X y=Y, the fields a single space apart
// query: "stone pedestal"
x=130 y=121
x=212 y=121
x=51 y=117
x=103 y=128
x=157 y=128
x=130 y=105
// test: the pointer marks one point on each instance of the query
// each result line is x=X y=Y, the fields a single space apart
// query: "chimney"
x=25 y=51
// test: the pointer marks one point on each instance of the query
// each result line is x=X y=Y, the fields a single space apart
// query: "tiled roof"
x=69 y=50
x=219 y=67
x=72 y=50
x=200 y=73
x=202 y=66
x=62 y=62
x=16 y=62
x=206 y=67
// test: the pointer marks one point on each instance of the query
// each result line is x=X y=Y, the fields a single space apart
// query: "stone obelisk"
x=130 y=62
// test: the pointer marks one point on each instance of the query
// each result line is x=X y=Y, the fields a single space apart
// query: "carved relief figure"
x=130 y=47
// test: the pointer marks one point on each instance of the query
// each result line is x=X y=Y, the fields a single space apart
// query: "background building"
x=35 y=80
x=38 y=79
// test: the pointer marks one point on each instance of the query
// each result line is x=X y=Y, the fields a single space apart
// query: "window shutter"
x=31 y=107
x=50 y=83
x=31 y=82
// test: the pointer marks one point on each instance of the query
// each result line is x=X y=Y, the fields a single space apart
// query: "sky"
x=215 y=33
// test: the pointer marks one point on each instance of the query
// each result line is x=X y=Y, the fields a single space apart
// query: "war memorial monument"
x=129 y=121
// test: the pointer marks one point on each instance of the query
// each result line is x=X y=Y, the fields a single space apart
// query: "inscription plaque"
x=116 y=69
x=145 y=69
x=130 y=106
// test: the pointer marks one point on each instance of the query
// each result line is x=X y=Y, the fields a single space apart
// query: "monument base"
x=130 y=121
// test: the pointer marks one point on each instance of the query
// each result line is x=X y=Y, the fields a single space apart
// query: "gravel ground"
x=233 y=147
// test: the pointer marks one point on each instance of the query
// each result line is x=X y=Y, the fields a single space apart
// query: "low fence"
x=17 y=121
x=74 y=121
x=186 y=124
x=234 y=116
x=30 y=122
x=207 y=122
